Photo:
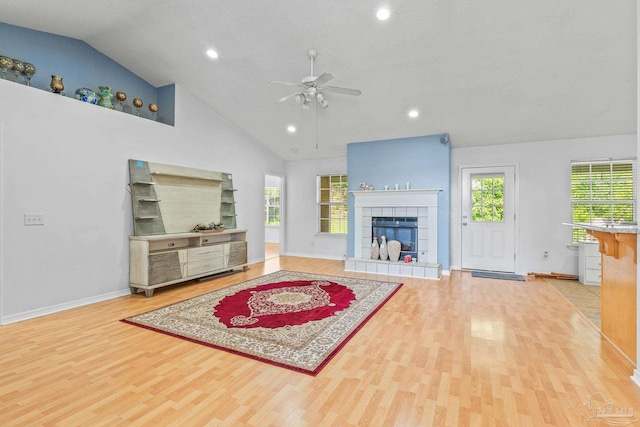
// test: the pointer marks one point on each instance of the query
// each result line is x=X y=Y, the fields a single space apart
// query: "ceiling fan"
x=314 y=87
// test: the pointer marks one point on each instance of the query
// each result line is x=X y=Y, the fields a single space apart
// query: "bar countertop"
x=606 y=227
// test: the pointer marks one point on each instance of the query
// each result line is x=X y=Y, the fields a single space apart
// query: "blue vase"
x=86 y=95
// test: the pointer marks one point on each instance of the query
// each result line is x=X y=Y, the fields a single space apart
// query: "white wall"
x=543 y=194
x=301 y=221
x=68 y=160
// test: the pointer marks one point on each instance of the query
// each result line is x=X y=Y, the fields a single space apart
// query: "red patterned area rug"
x=294 y=320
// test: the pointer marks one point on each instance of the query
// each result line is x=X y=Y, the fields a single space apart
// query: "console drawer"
x=199 y=267
x=159 y=245
x=206 y=252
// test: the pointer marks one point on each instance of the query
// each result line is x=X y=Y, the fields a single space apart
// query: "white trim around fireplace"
x=388 y=203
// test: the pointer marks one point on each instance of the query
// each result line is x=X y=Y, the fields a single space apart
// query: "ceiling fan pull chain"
x=312 y=53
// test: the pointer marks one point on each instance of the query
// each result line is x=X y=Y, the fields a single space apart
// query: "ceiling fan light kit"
x=314 y=87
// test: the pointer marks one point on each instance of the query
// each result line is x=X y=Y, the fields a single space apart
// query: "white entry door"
x=488 y=218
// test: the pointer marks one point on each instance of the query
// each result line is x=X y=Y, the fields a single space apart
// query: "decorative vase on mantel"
x=375 y=248
x=384 y=250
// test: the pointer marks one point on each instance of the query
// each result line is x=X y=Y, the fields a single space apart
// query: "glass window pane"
x=602 y=191
x=333 y=196
x=325 y=196
x=487 y=199
x=324 y=211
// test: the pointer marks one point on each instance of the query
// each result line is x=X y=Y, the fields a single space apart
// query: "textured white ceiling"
x=487 y=72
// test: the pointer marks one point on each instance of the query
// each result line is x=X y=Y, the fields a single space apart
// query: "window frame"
x=611 y=203
x=341 y=205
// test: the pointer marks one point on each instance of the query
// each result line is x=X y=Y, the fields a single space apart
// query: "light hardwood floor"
x=271 y=250
x=459 y=351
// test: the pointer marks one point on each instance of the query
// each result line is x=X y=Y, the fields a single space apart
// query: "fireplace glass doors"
x=402 y=229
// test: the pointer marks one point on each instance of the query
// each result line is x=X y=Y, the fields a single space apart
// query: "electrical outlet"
x=33 y=219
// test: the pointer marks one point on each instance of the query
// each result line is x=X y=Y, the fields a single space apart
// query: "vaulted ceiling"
x=486 y=72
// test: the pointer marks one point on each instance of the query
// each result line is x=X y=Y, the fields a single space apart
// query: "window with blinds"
x=332 y=203
x=602 y=192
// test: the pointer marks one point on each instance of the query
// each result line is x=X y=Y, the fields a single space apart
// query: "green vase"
x=105 y=97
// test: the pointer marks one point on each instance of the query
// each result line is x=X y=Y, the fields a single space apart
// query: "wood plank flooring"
x=459 y=351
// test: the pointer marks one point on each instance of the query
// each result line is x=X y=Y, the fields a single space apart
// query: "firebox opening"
x=402 y=229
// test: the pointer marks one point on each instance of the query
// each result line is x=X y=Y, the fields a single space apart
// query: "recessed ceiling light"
x=294 y=150
x=383 y=14
x=212 y=54
x=414 y=113
x=291 y=129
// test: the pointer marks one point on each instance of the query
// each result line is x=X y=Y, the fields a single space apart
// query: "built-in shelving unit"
x=227 y=202
x=168 y=202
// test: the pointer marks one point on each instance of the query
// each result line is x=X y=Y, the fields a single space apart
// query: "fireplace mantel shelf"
x=396 y=197
x=369 y=192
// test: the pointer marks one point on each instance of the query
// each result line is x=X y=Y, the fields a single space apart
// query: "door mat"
x=497 y=275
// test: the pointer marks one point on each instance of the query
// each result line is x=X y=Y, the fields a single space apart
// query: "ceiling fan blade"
x=322 y=79
x=342 y=90
x=286 y=83
x=291 y=95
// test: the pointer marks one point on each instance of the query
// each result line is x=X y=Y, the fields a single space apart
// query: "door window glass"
x=487 y=198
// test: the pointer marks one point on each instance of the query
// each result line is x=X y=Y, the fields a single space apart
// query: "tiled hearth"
x=422 y=204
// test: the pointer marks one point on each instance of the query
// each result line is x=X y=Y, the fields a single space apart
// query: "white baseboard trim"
x=636 y=377
x=61 y=307
x=331 y=257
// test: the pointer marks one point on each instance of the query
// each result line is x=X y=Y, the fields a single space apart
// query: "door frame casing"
x=457 y=217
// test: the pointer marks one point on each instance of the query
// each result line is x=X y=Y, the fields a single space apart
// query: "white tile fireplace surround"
x=422 y=204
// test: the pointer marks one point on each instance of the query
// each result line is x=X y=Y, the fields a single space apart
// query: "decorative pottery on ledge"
x=56 y=85
x=105 y=97
x=86 y=95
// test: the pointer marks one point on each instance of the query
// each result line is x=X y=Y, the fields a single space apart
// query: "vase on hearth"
x=384 y=250
x=394 y=248
x=375 y=248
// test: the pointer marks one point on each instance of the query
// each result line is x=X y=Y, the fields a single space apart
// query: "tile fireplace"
x=397 y=211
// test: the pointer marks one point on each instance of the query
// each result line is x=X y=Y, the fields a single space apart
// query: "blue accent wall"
x=79 y=65
x=423 y=161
